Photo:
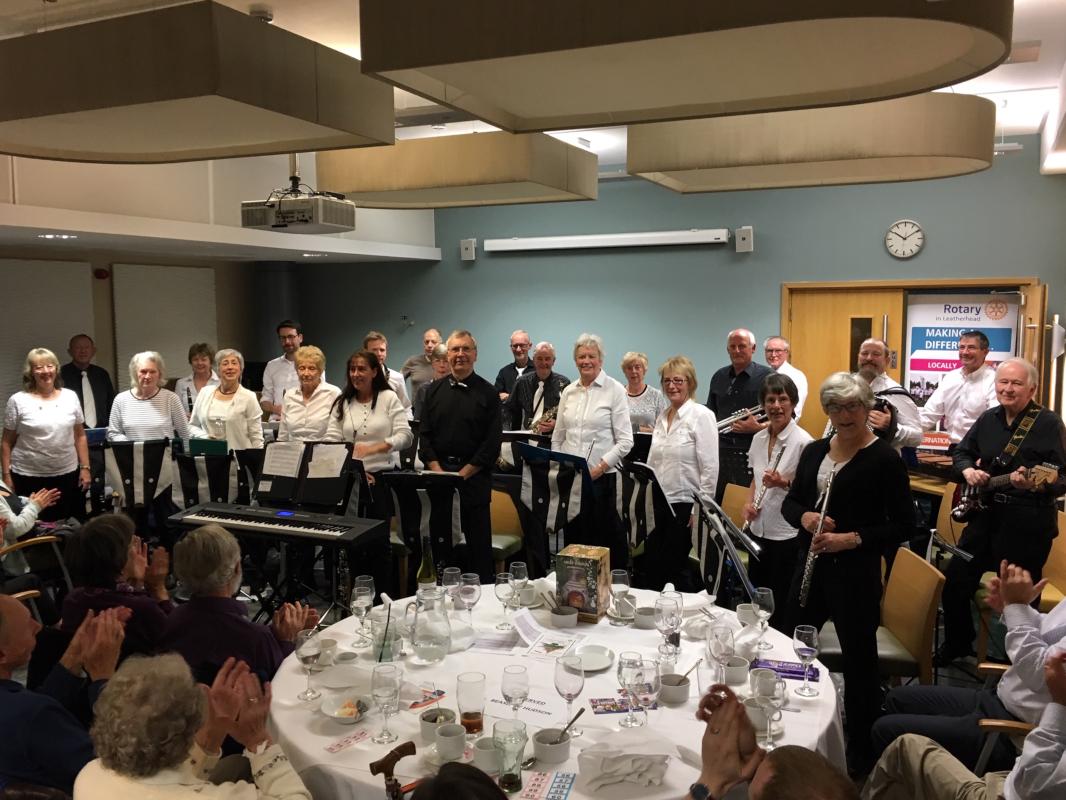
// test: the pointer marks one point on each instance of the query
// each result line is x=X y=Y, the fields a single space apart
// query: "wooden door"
x=826 y=327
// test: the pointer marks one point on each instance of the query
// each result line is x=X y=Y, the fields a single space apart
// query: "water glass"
x=644 y=682
x=308 y=649
x=619 y=588
x=720 y=647
x=509 y=736
x=505 y=594
x=519 y=579
x=569 y=683
x=362 y=601
x=470 y=697
x=469 y=592
x=628 y=660
x=770 y=694
x=449 y=579
x=763 y=600
x=385 y=683
x=514 y=686
x=805 y=645
x=667 y=617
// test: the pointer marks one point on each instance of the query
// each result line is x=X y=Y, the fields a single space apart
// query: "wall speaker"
x=744 y=238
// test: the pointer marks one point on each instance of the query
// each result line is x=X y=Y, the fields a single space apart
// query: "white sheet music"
x=283 y=459
x=327 y=461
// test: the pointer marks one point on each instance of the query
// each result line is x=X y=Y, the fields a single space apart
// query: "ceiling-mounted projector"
x=303 y=213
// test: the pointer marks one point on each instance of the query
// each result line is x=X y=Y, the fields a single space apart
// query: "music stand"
x=715 y=518
x=640 y=501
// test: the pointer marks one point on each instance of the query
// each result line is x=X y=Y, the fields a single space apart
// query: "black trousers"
x=71 y=500
x=1020 y=534
x=846 y=587
x=666 y=553
x=732 y=468
x=601 y=526
x=774 y=569
x=476 y=519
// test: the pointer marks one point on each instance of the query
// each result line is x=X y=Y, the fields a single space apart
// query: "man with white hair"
x=873 y=360
x=510 y=373
x=996 y=457
x=734 y=388
x=536 y=392
x=778 y=352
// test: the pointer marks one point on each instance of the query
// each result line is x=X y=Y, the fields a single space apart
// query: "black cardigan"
x=871 y=495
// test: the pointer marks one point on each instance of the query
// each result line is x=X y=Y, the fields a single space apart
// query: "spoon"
x=529 y=762
x=698 y=662
x=562 y=733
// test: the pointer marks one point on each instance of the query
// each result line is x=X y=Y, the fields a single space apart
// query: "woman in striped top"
x=147 y=410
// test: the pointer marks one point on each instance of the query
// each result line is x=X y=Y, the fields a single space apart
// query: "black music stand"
x=640 y=449
x=716 y=527
x=643 y=507
x=427 y=508
x=141 y=475
x=97 y=500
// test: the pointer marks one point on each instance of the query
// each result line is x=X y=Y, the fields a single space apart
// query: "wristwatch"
x=698 y=791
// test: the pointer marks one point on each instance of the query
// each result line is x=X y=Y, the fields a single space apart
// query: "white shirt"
x=594 y=422
x=387 y=422
x=1040 y=771
x=770 y=524
x=909 y=424
x=685 y=455
x=1030 y=635
x=800 y=380
x=15 y=563
x=278 y=376
x=306 y=422
x=959 y=400
x=238 y=421
x=137 y=420
x=397 y=384
x=45 y=430
x=185 y=388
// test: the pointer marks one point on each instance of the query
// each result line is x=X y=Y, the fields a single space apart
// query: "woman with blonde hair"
x=305 y=409
x=646 y=403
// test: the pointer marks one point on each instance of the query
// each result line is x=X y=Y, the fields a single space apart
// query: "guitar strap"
x=1020 y=433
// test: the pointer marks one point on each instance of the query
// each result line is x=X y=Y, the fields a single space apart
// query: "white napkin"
x=623 y=758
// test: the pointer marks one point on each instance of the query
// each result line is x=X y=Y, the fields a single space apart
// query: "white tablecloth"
x=304 y=732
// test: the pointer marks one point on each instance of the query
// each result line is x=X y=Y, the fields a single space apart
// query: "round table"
x=304 y=732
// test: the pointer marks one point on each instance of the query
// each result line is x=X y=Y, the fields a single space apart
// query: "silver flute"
x=757 y=504
x=756 y=411
x=808 y=567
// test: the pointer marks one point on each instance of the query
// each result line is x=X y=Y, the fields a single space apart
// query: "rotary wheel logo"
x=995 y=309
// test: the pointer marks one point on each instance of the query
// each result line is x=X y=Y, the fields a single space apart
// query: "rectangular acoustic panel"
x=164 y=309
x=46 y=302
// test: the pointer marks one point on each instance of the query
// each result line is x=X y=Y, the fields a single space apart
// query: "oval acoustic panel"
x=557 y=64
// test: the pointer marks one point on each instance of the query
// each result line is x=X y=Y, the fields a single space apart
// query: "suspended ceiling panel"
x=558 y=64
x=466 y=170
x=933 y=135
x=190 y=82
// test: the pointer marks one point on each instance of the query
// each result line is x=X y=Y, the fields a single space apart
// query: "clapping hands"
x=97 y=643
x=1013 y=585
x=292 y=618
x=237 y=706
x=729 y=753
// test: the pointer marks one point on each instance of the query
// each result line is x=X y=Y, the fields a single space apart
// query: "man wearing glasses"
x=280 y=373
x=778 y=352
x=506 y=377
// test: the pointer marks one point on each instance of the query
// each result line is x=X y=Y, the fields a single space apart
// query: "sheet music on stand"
x=307 y=475
x=714 y=517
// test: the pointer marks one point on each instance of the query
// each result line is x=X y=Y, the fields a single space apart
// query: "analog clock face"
x=905 y=238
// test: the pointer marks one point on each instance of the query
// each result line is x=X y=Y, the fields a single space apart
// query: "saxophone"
x=808 y=567
x=762 y=489
x=547 y=416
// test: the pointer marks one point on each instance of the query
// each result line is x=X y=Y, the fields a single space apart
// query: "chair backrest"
x=948 y=529
x=1055 y=566
x=909 y=608
x=733 y=502
x=504 y=514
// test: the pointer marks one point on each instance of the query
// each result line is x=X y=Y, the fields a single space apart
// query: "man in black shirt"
x=734 y=388
x=536 y=392
x=461 y=432
x=1019 y=521
x=80 y=372
x=508 y=374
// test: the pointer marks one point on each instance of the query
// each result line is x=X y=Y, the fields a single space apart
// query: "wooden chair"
x=28 y=597
x=908 y=620
x=41 y=541
x=733 y=502
x=994 y=728
x=506 y=529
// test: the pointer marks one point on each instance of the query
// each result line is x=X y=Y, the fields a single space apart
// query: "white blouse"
x=187 y=393
x=685 y=455
x=15 y=563
x=593 y=422
x=306 y=422
x=238 y=420
x=770 y=524
x=45 y=430
x=386 y=422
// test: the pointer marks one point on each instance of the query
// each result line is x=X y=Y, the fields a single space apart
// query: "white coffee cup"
x=433 y=718
x=736 y=670
x=756 y=713
x=451 y=740
x=644 y=618
x=760 y=674
x=486 y=756
x=329 y=651
x=528 y=595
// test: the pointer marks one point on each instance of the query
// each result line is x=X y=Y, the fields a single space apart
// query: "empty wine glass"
x=805 y=645
x=569 y=683
x=470 y=592
x=519 y=580
x=514 y=686
x=770 y=693
x=362 y=601
x=644 y=683
x=505 y=594
x=385 y=687
x=449 y=579
x=308 y=648
x=720 y=647
x=627 y=660
x=667 y=617
x=619 y=589
x=763 y=600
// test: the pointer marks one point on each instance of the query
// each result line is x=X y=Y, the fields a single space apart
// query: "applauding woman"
x=147 y=411
x=228 y=411
x=44 y=444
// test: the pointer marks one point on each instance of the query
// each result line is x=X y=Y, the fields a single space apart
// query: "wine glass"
x=805 y=645
x=619 y=589
x=569 y=682
x=362 y=601
x=308 y=649
x=667 y=617
x=470 y=592
x=385 y=687
x=763 y=600
x=627 y=660
x=720 y=647
x=514 y=686
x=644 y=683
x=505 y=594
x=450 y=579
x=770 y=694
x=519 y=579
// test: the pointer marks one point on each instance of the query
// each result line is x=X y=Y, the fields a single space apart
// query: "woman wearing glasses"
x=869 y=508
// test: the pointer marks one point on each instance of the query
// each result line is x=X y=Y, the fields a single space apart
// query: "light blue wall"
x=1008 y=220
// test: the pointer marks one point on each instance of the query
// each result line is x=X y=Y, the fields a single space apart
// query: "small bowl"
x=675 y=688
x=545 y=749
x=486 y=756
x=564 y=617
x=644 y=618
x=346 y=657
x=736 y=670
x=346 y=709
x=429 y=722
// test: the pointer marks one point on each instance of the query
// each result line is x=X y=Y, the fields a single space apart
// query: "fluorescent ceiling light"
x=63 y=236
x=596 y=240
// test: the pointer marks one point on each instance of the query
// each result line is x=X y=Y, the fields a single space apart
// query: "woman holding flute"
x=842 y=536
x=774 y=454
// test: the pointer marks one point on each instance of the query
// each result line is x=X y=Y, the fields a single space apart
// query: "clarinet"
x=762 y=489
x=808 y=567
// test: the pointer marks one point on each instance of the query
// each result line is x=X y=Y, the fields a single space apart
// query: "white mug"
x=451 y=741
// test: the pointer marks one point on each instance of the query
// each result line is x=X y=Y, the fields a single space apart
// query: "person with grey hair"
x=535 y=396
x=778 y=352
x=147 y=410
x=201 y=359
x=734 y=388
x=213 y=626
x=869 y=509
x=646 y=403
x=900 y=424
x=510 y=373
x=995 y=458
x=228 y=410
x=593 y=422
x=157 y=733
x=438 y=360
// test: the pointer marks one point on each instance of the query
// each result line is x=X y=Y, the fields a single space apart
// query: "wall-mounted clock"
x=904 y=238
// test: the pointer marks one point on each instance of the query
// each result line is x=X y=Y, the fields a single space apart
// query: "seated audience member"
x=188 y=388
x=730 y=756
x=109 y=566
x=213 y=626
x=948 y=714
x=43 y=744
x=147 y=411
x=915 y=767
x=441 y=369
x=18 y=517
x=158 y=734
x=458 y=780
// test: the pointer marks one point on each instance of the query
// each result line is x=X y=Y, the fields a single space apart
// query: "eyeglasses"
x=520 y=346
x=777 y=350
x=836 y=408
x=675 y=381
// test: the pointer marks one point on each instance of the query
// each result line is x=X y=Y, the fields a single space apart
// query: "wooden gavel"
x=387 y=764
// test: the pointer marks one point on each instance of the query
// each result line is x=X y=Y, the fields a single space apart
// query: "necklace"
x=235 y=388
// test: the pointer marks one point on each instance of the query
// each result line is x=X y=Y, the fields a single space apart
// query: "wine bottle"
x=427 y=570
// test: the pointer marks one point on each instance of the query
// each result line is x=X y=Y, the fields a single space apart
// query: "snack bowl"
x=564 y=617
x=346 y=709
